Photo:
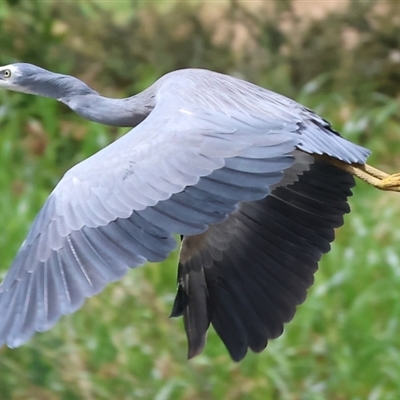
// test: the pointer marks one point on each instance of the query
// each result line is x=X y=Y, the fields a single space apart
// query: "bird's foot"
x=390 y=183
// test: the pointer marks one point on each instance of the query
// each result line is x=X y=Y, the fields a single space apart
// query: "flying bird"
x=252 y=182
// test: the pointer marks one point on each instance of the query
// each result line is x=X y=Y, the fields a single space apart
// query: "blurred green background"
x=341 y=59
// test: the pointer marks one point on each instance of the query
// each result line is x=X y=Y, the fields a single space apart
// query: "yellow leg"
x=373 y=176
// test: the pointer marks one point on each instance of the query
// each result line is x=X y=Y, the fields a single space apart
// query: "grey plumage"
x=226 y=164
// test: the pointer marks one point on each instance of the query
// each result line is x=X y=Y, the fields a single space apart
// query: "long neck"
x=89 y=104
x=126 y=112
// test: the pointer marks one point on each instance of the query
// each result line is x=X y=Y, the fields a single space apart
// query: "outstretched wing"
x=247 y=274
x=180 y=170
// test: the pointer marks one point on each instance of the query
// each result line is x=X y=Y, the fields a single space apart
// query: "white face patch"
x=9 y=83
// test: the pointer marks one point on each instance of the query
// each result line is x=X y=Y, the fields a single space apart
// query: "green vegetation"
x=344 y=342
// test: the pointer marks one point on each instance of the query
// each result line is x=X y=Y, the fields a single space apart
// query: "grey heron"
x=253 y=182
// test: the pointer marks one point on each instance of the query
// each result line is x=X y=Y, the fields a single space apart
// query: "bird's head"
x=12 y=77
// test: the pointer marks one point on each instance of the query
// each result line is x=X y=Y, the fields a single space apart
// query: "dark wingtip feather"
x=191 y=301
x=196 y=345
x=249 y=293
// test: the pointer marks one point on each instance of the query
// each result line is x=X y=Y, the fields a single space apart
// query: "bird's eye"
x=6 y=73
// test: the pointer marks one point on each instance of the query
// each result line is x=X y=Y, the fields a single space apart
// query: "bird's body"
x=231 y=167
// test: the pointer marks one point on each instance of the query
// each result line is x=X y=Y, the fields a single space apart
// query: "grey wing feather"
x=119 y=208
